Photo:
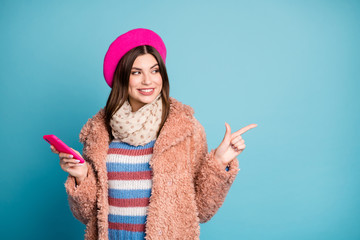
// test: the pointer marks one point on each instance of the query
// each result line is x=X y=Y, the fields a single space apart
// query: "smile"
x=146 y=91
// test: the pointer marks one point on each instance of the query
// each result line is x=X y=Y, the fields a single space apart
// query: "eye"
x=156 y=70
x=135 y=73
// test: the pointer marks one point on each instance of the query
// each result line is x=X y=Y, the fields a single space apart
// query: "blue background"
x=292 y=67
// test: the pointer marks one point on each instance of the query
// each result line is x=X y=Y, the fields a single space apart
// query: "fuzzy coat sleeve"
x=212 y=182
x=82 y=198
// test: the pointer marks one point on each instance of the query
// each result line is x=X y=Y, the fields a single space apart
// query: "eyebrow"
x=140 y=68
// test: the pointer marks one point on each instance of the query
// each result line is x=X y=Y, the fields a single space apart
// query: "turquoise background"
x=292 y=67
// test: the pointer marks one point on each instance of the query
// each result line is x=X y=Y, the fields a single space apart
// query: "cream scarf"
x=140 y=127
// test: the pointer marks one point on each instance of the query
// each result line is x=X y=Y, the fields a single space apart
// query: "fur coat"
x=188 y=185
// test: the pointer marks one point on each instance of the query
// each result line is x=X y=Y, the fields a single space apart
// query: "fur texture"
x=188 y=185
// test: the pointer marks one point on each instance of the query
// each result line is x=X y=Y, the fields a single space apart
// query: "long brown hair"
x=119 y=92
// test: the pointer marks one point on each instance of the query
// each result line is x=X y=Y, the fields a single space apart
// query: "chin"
x=143 y=99
x=147 y=99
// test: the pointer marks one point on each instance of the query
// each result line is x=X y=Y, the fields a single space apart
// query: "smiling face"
x=145 y=82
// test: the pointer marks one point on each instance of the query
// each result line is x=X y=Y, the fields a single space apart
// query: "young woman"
x=148 y=173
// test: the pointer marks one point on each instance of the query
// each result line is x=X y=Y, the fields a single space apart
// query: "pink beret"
x=127 y=41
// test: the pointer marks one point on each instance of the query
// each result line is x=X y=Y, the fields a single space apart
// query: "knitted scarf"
x=140 y=127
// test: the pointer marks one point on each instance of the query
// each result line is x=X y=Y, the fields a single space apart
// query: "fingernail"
x=70 y=156
x=77 y=160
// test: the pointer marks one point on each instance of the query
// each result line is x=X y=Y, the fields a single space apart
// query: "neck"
x=135 y=106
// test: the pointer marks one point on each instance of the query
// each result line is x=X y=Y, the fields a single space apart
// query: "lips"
x=146 y=91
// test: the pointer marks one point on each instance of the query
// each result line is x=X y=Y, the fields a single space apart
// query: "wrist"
x=79 y=180
x=221 y=163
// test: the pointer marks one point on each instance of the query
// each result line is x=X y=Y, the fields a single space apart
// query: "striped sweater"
x=130 y=182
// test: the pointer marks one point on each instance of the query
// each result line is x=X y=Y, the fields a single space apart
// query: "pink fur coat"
x=188 y=185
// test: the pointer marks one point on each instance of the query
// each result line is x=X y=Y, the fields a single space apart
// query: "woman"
x=148 y=173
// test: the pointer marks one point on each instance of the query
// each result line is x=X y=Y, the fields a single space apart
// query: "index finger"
x=244 y=130
x=53 y=149
x=65 y=155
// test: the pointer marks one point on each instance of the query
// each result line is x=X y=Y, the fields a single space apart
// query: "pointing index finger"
x=244 y=129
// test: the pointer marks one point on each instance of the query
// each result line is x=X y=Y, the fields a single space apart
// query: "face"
x=145 y=81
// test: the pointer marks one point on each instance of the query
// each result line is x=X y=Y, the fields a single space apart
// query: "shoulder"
x=183 y=111
x=94 y=124
x=180 y=108
x=179 y=125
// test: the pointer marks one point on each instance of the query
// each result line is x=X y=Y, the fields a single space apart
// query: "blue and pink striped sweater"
x=130 y=182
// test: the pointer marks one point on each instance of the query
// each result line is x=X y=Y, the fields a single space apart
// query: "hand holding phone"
x=61 y=146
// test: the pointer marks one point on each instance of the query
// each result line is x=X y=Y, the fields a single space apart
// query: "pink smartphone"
x=61 y=146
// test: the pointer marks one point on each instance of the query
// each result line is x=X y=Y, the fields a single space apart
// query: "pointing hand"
x=232 y=145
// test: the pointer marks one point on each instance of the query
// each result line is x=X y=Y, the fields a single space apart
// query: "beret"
x=124 y=43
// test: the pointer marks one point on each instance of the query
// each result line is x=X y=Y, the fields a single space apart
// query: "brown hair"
x=119 y=92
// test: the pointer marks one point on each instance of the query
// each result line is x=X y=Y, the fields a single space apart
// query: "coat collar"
x=177 y=127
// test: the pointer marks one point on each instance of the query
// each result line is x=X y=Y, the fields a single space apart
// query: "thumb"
x=227 y=136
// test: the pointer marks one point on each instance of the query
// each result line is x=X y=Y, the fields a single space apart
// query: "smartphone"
x=61 y=146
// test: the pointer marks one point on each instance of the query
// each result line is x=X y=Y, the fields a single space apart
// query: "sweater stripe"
x=115 y=193
x=130 y=159
x=130 y=183
x=120 y=234
x=129 y=211
x=127 y=219
x=127 y=227
x=122 y=145
x=116 y=167
x=130 y=152
x=129 y=175
x=137 y=202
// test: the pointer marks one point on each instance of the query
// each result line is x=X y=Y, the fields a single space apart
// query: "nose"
x=146 y=79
